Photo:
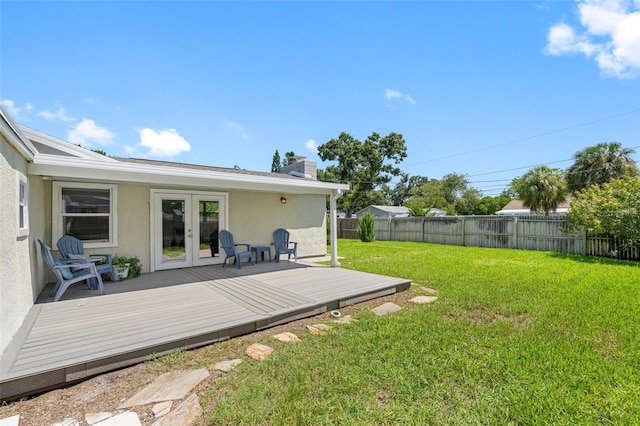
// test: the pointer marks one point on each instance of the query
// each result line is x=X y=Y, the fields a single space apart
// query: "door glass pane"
x=209 y=216
x=173 y=241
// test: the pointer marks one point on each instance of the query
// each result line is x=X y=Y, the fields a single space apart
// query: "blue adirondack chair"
x=70 y=247
x=283 y=245
x=231 y=249
x=66 y=277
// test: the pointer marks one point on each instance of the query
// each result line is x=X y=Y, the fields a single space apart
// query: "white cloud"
x=610 y=36
x=391 y=94
x=14 y=110
x=163 y=143
x=240 y=130
x=87 y=132
x=60 y=114
x=311 y=145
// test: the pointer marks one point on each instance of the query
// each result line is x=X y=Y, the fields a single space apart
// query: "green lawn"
x=515 y=337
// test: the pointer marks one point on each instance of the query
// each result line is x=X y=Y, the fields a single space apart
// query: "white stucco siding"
x=16 y=292
x=254 y=216
x=134 y=222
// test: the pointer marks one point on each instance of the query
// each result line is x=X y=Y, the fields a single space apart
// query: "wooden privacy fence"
x=543 y=233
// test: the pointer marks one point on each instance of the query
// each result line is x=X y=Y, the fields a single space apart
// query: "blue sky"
x=484 y=88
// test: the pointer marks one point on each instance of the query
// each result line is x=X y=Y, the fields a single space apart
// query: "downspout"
x=333 y=214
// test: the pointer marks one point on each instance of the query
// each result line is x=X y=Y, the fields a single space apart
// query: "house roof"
x=11 y=131
x=391 y=210
x=517 y=207
x=60 y=159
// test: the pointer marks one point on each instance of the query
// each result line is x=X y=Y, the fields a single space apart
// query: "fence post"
x=515 y=232
x=424 y=239
x=463 y=230
x=584 y=239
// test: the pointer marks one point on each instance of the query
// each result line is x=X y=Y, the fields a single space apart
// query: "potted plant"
x=126 y=267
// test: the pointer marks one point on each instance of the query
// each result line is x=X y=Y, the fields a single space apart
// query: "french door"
x=185 y=226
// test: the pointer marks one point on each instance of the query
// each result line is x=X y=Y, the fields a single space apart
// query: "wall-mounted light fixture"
x=283 y=200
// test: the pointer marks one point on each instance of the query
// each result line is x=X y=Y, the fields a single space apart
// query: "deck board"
x=86 y=334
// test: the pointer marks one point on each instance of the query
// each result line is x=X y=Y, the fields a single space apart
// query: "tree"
x=402 y=191
x=451 y=194
x=489 y=205
x=541 y=189
x=415 y=209
x=276 y=163
x=612 y=209
x=599 y=164
x=288 y=158
x=366 y=166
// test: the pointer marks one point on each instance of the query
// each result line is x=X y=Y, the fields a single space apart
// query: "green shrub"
x=133 y=263
x=367 y=228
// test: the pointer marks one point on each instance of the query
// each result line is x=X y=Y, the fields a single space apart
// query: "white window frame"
x=57 y=215
x=22 y=216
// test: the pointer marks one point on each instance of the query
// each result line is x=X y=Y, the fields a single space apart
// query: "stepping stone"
x=323 y=327
x=183 y=415
x=168 y=387
x=423 y=299
x=287 y=337
x=315 y=331
x=227 y=366
x=10 y=421
x=128 y=418
x=347 y=319
x=92 y=418
x=161 y=409
x=429 y=290
x=386 y=308
x=259 y=352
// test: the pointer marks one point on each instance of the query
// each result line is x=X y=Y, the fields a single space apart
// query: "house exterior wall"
x=254 y=216
x=16 y=292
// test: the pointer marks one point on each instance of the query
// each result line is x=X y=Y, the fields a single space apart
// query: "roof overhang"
x=98 y=170
x=12 y=132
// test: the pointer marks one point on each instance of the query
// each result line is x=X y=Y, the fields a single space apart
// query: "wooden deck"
x=86 y=334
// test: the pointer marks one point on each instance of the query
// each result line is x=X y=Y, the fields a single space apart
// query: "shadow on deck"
x=86 y=334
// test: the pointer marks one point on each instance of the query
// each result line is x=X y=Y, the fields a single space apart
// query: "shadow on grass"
x=595 y=259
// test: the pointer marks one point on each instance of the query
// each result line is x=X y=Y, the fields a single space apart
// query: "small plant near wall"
x=367 y=228
x=127 y=267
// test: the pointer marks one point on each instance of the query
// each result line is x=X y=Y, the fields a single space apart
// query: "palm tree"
x=541 y=189
x=599 y=164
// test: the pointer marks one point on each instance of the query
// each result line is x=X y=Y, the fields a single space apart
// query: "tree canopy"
x=366 y=166
x=599 y=164
x=613 y=209
x=541 y=189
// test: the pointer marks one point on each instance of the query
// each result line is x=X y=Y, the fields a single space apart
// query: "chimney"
x=301 y=168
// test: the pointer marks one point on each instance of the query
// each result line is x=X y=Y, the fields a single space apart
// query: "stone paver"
x=314 y=330
x=128 y=418
x=10 y=421
x=227 y=366
x=92 y=418
x=67 y=422
x=347 y=319
x=161 y=408
x=323 y=327
x=386 y=308
x=429 y=290
x=287 y=337
x=167 y=387
x=423 y=299
x=183 y=415
x=258 y=351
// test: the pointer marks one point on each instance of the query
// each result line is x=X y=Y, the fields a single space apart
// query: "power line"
x=551 y=132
